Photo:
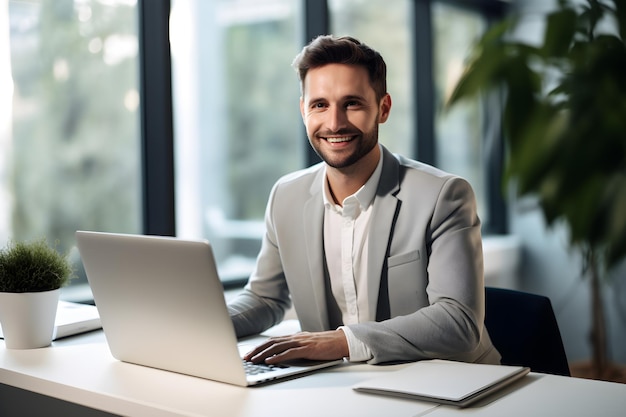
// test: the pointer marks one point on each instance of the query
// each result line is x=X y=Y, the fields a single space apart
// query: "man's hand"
x=327 y=345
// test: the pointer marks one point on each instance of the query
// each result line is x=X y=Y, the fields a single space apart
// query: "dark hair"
x=327 y=49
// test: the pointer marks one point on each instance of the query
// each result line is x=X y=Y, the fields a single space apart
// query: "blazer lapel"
x=384 y=213
x=314 y=237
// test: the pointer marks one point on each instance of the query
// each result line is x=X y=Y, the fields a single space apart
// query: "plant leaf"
x=560 y=29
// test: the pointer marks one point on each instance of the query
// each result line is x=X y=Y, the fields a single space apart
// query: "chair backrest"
x=523 y=328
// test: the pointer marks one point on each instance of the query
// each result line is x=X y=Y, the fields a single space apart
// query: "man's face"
x=341 y=113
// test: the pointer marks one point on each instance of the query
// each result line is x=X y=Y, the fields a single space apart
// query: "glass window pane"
x=458 y=133
x=237 y=119
x=69 y=132
x=386 y=26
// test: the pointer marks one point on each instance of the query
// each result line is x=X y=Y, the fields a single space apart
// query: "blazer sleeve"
x=451 y=326
x=265 y=298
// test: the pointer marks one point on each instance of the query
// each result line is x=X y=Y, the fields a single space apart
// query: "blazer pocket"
x=406 y=283
x=403 y=258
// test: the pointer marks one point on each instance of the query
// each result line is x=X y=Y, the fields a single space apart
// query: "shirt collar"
x=364 y=195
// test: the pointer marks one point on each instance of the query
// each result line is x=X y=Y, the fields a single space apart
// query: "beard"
x=365 y=141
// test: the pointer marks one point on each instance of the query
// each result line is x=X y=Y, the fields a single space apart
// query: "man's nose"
x=336 y=118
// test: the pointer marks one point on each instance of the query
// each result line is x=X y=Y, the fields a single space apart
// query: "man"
x=381 y=255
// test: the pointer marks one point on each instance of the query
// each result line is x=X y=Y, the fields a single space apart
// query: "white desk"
x=80 y=370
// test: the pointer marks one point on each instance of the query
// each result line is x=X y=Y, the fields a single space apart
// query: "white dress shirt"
x=346 y=235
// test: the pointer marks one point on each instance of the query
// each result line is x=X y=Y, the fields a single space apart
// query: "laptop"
x=161 y=304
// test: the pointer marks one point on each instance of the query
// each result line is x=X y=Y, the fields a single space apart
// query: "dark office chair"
x=523 y=328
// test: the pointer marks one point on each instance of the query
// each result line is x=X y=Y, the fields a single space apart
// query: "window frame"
x=157 y=118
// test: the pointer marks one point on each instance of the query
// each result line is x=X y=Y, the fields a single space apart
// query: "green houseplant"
x=564 y=123
x=31 y=275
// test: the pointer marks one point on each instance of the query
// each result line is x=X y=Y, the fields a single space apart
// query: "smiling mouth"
x=338 y=139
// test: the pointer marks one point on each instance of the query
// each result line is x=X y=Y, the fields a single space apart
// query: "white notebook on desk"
x=445 y=382
x=73 y=318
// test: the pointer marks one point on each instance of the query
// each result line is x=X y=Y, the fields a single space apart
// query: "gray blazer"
x=425 y=266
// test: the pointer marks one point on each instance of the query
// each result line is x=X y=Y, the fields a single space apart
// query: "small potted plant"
x=31 y=276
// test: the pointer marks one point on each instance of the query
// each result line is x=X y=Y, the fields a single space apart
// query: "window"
x=459 y=146
x=69 y=132
x=423 y=48
x=235 y=99
x=370 y=21
x=236 y=117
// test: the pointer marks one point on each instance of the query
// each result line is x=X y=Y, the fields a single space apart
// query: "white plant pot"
x=28 y=318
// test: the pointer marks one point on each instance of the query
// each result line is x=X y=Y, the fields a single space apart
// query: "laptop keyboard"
x=258 y=368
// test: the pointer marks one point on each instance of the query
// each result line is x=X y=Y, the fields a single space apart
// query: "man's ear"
x=302 y=107
x=384 y=108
